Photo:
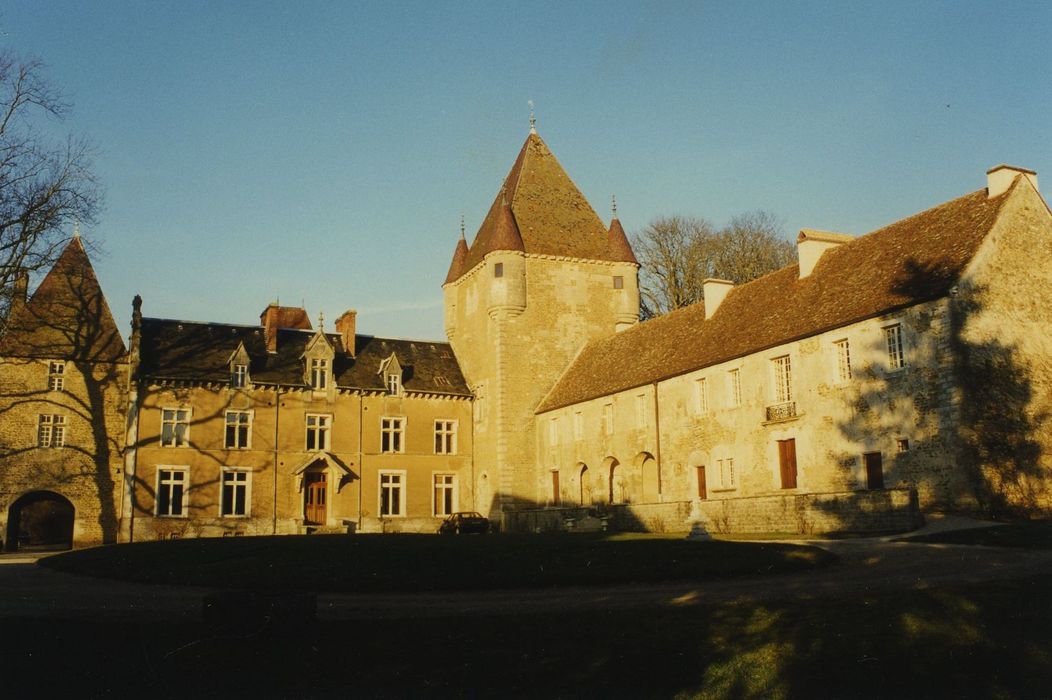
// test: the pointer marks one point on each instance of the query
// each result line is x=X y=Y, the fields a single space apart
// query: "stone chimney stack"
x=715 y=291
x=346 y=327
x=1000 y=177
x=21 y=291
x=810 y=245
x=269 y=320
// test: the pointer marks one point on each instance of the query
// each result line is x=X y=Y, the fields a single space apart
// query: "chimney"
x=810 y=245
x=345 y=326
x=269 y=320
x=20 y=292
x=1000 y=177
x=715 y=291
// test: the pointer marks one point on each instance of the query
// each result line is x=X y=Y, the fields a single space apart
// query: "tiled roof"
x=67 y=316
x=551 y=215
x=620 y=250
x=191 y=351
x=910 y=261
x=456 y=267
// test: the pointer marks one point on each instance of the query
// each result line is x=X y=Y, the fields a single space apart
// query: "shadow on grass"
x=416 y=563
x=1030 y=535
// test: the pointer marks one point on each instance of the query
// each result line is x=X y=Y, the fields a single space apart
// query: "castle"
x=879 y=377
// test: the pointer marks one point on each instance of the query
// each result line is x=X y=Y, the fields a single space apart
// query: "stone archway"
x=584 y=489
x=617 y=481
x=40 y=520
x=649 y=477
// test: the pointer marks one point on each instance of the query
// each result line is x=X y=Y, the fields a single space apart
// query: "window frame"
x=56 y=375
x=239 y=376
x=392 y=429
x=842 y=373
x=184 y=501
x=237 y=427
x=553 y=431
x=641 y=411
x=245 y=484
x=727 y=477
x=782 y=379
x=578 y=426
x=448 y=487
x=446 y=430
x=895 y=347
x=319 y=373
x=175 y=423
x=701 y=396
x=393 y=384
x=400 y=487
x=51 y=430
x=734 y=388
x=322 y=428
x=608 y=418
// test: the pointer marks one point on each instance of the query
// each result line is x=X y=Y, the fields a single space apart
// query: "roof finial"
x=613 y=204
x=504 y=193
x=76 y=228
x=462 y=226
x=321 y=321
x=533 y=119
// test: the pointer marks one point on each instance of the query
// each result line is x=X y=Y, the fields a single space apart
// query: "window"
x=51 y=431
x=394 y=385
x=239 y=377
x=553 y=431
x=56 y=376
x=238 y=429
x=608 y=419
x=498 y=269
x=619 y=282
x=725 y=473
x=175 y=427
x=641 y=411
x=843 y=361
x=234 y=502
x=734 y=388
x=319 y=374
x=392 y=495
x=318 y=431
x=171 y=491
x=893 y=338
x=391 y=433
x=701 y=397
x=578 y=426
x=783 y=379
x=902 y=445
x=445 y=437
x=445 y=495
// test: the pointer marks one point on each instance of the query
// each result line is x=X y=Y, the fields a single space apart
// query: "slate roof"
x=192 y=351
x=67 y=317
x=913 y=260
x=548 y=212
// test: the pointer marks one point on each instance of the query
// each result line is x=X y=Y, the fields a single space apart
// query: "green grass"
x=1036 y=534
x=411 y=563
x=992 y=640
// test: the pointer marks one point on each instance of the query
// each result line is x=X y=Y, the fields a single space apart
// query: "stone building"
x=905 y=370
x=283 y=429
x=63 y=373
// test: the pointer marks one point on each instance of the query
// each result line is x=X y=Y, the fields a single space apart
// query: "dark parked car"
x=466 y=523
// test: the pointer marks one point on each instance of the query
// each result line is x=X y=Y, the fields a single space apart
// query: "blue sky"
x=323 y=152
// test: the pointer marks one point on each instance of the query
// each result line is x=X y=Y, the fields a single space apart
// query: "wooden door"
x=703 y=492
x=555 y=488
x=315 y=497
x=787 y=462
x=874 y=470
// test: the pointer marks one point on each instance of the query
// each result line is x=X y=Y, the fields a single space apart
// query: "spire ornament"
x=533 y=118
x=613 y=204
x=76 y=228
x=321 y=321
x=462 y=226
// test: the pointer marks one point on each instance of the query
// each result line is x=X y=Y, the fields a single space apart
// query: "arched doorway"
x=40 y=520
x=584 y=488
x=618 y=482
x=649 y=473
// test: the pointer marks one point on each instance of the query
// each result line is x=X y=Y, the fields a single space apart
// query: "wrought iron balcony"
x=781 y=411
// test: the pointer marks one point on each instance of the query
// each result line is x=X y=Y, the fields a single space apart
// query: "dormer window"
x=391 y=372
x=319 y=374
x=56 y=379
x=239 y=376
x=394 y=385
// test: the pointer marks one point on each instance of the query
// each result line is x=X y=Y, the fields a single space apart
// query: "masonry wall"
x=513 y=337
x=1003 y=342
x=87 y=469
x=278 y=460
x=661 y=434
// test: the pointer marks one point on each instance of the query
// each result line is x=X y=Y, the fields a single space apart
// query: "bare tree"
x=45 y=184
x=678 y=253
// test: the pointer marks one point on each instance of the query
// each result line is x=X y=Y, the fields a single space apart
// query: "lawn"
x=992 y=640
x=1035 y=534
x=416 y=563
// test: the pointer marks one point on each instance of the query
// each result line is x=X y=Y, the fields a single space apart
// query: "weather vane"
x=613 y=204
x=533 y=119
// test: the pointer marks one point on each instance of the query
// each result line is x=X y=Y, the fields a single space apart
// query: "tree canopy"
x=678 y=253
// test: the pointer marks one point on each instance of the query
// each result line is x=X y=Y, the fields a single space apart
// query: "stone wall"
x=891 y=510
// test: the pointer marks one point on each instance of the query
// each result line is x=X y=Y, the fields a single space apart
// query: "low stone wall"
x=886 y=510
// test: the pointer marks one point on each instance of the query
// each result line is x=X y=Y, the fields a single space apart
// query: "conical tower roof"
x=619 y=248
x=67 y=317
x=547 y=211
x=456 y=267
